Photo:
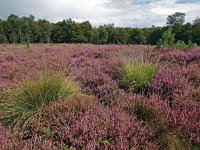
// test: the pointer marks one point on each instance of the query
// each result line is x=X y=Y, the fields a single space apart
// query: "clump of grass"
x=173 y=142
x=143 y=113
x=151 y=117
x=196 y=94
x=29 y=98
x=136 y=76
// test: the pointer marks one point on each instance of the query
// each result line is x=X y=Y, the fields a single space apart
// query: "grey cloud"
x=187 y=1
x=132 y=13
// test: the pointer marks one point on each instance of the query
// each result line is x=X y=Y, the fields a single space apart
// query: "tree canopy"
x=176 y=19
x=29 y=30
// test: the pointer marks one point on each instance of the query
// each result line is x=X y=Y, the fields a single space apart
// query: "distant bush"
x=192 y=45
x=182 y=45
x=29 y=98
x=136 y=76
x=168 y=41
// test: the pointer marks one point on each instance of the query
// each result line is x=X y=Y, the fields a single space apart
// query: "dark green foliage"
x=154 y=35
x=45 y=28
x=137 y=36
x=167 y=39
x=82 y=33
x=196 y=147
x=29 y=30
x=191 y=45
x=196 y=31
x=180 y=45
x=196 y=21
x=103 y=35
x=143 y=113
x=177 y=18
x=122 y=35
x=2 y=36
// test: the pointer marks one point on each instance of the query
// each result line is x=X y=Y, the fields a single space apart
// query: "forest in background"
x=17 y=29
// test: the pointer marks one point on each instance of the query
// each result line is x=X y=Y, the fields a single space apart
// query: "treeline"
x=30 y=30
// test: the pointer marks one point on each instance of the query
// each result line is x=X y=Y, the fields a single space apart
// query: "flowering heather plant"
x=61 y=117
x=68 y=112
x=168 y=83
x=167 y=118
x=150 y=111
x=180 y=57
x=3 y=136
x=180 y=120
x=112 y=129
x=29 y=98
x=94 y=81
x=81 y=123
x=192 y=73
x=36 y=142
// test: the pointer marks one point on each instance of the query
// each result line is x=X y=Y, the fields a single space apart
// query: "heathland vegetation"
x=75 y=96
x=109 y=95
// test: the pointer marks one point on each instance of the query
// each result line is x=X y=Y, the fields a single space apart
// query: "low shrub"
x=136 y=76
x=65 y=113
x=167 y=39
x=32 y=144
x=192 y=45
x=49 y=132
x=95 y=82
x=81 y=123
x=185 y=119
x=182 y=58
x=60 y=118
x=168 y=83
x=193 y=75
x=175 y=127
x=29 y=97
x=149 y=111
x=106 y=128
x=180 y=45
x=3 y=136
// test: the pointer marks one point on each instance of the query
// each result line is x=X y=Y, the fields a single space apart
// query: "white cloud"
x=134 y=13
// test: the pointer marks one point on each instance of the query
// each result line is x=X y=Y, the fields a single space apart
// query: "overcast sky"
x=126 y=13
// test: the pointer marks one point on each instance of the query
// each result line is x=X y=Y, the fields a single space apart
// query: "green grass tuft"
x=31 y=96
x=143 y=113
x=136 y=76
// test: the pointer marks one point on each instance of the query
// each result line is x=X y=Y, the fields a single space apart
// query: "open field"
x=84 y=96
x=30 y=47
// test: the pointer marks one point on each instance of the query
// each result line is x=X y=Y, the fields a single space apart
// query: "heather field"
x=93 y=97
